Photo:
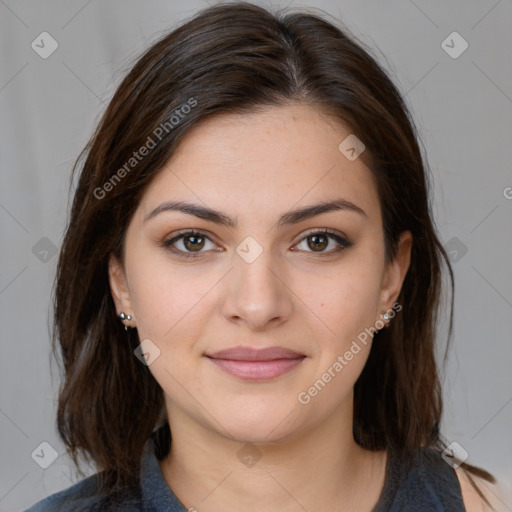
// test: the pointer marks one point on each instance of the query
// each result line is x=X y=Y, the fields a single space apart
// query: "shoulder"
x=438 y=479
x=472 y=499
x=83 y=496
x=420 y=480
x=77 y=497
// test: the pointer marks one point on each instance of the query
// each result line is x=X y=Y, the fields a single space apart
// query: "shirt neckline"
x=391 y=482
x=156 y=492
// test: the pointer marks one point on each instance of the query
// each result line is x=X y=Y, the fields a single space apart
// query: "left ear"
x=395 y=273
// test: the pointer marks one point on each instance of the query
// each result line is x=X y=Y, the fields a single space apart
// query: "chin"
x=258 y=434
x=266 y=426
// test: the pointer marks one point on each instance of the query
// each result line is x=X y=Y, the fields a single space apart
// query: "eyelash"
x=343 y=243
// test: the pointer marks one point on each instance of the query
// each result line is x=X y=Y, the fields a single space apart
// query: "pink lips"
x=256 y=364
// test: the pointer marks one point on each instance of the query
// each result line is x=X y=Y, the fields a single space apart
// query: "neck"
x=209 y=472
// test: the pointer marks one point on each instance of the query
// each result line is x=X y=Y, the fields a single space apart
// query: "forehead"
x=264 y=162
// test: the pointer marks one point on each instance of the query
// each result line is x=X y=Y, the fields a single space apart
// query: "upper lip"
x=241 y=353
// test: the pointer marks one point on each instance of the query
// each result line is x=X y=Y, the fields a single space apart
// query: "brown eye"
x=192 y=242
x=318 y=241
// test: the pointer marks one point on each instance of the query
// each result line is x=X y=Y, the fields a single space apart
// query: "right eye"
x=192 y=242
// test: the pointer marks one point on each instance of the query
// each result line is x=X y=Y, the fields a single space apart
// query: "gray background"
x=49 y=107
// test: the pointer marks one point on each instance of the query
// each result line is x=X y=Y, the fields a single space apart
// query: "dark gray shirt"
x=428 y=484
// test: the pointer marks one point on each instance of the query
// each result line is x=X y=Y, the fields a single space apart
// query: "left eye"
x=194 y=241
x=320 y=240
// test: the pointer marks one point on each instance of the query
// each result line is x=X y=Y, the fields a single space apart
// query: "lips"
x=250 y=354
x=256 y=364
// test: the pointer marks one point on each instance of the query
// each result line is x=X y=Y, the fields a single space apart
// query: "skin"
x=495 y=494
x=267 y=163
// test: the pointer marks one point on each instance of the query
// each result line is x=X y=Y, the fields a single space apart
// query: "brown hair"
x=235 y=58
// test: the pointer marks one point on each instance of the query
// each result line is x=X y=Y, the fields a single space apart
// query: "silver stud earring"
x=123 y=316
x=386 y=317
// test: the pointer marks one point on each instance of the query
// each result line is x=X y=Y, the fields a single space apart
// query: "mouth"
x=256 y=364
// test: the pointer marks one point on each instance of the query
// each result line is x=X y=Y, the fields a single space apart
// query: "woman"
x=251 y=269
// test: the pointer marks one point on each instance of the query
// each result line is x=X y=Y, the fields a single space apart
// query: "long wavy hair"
x=236 y=58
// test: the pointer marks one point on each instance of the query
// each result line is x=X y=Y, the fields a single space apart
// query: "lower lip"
x=257 y=370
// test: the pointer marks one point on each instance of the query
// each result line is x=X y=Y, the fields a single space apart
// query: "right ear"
x=119 y=289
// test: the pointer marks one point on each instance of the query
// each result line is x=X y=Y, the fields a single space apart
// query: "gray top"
x=428 y=484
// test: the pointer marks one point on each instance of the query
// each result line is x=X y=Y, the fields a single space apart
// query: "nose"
x=257 y=293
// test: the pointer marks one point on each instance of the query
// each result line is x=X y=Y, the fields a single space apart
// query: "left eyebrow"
x=288 y=218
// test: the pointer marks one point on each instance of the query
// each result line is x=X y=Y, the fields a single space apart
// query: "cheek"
x=349 y=312
x=346 y=304
x=168 y=298
x=171 y=308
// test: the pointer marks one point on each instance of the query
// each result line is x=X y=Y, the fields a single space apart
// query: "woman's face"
x=268 y=280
